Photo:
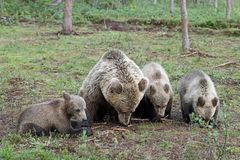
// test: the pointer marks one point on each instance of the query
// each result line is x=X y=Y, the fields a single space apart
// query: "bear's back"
x=196 y=81
x=154 y=71
x=42 y=113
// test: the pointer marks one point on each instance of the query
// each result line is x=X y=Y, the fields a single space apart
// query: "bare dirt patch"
x=229 y=82
x=115 y=26
x=15 y=90
x=17 y=93
x=7 y=123
x=128 y=26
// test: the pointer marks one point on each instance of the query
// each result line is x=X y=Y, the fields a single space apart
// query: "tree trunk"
x=67 y=22
x=215 y=3
x=232 y=4
x=155 y=2
x=184 y=21
x=228 y=9
x=171 y=7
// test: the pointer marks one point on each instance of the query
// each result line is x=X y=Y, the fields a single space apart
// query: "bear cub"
x=198 y=95
x=157 y=101
x=56 y=115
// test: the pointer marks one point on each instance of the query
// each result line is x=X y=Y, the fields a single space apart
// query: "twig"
x=187 y=55
x=120 y=129
x=91 y=139
x=225 y=64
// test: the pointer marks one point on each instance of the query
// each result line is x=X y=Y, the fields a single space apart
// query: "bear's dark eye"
x=77 y=110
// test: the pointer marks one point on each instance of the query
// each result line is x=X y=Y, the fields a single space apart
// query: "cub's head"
x=159 y=95
x=125 y=97
x=205 y=107
x=75 y=107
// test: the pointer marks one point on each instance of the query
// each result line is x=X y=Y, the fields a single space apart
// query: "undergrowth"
x=94 y=11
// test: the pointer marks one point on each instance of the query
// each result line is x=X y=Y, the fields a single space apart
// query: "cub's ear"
x=214 y=101
x=66 y=96
x=142 y=85
x=166 y=88
x=152 y=89
x=200 y=101
x=158 y=75
x=116 y=86
x=80 y=93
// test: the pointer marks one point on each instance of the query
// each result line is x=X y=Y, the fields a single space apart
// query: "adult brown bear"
x=114 y=86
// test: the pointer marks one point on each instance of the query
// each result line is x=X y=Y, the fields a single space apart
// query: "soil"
x=127 y=26
x=105 y=133
x=8 y=123
x=230 y=82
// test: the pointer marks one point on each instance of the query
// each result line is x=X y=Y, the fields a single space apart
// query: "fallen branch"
x=227 y=63
x=195 y=52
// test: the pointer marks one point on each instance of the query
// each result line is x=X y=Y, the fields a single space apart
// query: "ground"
x=37 y=64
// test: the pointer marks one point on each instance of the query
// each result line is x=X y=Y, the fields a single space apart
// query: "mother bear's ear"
x=115 y=86
x=66 y=96
x=142 y=85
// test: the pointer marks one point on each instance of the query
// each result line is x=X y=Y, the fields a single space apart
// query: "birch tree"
x=228 y=9
x=215 y=3
x=184 y=23
x=171 y=7
x=67 y=21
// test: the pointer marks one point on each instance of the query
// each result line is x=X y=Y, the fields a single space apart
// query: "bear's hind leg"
x=33 y=129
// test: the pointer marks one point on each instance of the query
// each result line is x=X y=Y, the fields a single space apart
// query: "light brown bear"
x=114 y=86
x=40 y=119
x=198 y=95
x=157 y=101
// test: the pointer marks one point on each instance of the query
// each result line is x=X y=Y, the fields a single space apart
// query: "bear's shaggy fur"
x=198 y=94
x=40 y=119
x=157 y=101
x=114 y=86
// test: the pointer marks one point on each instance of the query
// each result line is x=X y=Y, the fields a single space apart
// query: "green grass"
x=36 y=66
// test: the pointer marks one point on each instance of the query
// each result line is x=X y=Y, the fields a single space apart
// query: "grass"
x=36 y=65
